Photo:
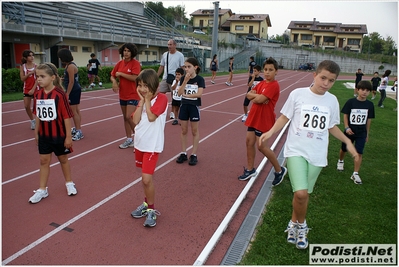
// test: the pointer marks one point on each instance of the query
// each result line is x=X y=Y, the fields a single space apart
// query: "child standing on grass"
x=28 y=76
x=376 y=82
x=358 y=113
x=314 y=113
x=149 y=118
x=383 y=87
x=53 y=124
x=190 y=89
x=253 y=80
x=73 y=90
x=176 y=99
x=264 y=97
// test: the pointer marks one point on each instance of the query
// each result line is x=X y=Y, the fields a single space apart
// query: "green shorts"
x=303 y=175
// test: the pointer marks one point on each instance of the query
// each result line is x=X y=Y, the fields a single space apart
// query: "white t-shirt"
x=149 y=136
x=175 y=94
x=176 y=60
x=384 y=83
x=311 y=116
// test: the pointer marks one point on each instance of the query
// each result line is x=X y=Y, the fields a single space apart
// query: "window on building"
x=86 y=49
x=210 y=22
x=239 y=27
x=306 y=37
x=329 y=39
x=154 y=53
x=353 y=41
x=73 y=48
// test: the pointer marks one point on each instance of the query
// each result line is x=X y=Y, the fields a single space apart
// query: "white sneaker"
x=39 y=194
x=100 y=84
x=71 y=189
x=32 y=124
x=93 y=84
x=172 y=115
x=227 y=83
x=356 y=178
x=244 y=117
x=127 y=144
x=78 y=135
x=302 y=236
x=212 y=82
x=340 y=166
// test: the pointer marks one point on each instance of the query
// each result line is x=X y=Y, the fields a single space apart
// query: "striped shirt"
x=52 y=109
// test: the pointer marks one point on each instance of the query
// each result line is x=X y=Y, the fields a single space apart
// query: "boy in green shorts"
x=314 y=113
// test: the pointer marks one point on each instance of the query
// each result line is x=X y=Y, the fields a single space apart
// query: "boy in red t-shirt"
x=264 y=97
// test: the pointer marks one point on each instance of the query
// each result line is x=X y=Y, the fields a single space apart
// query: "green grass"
x=339 y=211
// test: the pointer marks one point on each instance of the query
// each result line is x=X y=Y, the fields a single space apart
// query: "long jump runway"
x=95 y=226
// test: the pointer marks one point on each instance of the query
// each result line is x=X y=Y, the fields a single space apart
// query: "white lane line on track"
x=99 y=204
x=90 y=123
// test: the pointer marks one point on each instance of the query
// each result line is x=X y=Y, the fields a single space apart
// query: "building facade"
x=348 y=37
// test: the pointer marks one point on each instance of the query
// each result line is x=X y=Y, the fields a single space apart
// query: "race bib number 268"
x=314 y=118
x=46 y=110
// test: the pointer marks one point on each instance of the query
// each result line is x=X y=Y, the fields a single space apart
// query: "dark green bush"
x=11 y=82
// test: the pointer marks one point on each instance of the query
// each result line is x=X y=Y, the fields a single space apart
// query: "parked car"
x=252 y=38
x=198 y=32
x=307 y=66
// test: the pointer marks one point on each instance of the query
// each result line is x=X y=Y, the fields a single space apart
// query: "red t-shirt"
x=30 y=81
x=52 y=109
x=127 y=89
x=262 y=116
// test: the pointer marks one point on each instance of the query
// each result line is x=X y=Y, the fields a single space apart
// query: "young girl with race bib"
x=28 y=76
x=191 y=87
x=176 y=99
x=53 y=124
x=314 y=114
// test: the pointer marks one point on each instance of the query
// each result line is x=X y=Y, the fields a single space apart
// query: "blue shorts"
x=360 y=142
x=48 y=148
x=257 y=132
x=188 y=111
x=132 y=102
x=74 y=96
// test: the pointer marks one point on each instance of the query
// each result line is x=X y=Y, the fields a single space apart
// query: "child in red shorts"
x=149 y=118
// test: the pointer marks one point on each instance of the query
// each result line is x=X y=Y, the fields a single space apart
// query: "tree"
x=374 y=43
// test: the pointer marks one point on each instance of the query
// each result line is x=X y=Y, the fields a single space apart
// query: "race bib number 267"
x=46 y=110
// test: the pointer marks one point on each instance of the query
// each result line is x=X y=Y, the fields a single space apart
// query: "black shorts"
x=28 y=95
x=132 y=102
x=74 y=97
x=257 y=132
x=188 y=111
x=246 y=100
x=375 y=88
x=359 y=142
x=46 y=147
x=176 y=103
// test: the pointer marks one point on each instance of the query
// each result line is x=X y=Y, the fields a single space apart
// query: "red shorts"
x=147 y=161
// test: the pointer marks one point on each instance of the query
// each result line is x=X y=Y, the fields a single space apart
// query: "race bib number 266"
x=46 y=110
x=314 y=118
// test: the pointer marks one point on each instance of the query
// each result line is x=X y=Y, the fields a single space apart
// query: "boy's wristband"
x=346 y=128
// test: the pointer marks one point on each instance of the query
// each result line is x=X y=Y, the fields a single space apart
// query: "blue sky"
x=381 y=16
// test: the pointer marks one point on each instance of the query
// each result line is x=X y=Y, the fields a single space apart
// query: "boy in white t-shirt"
x=149 y=138
x=176 y=99
x=314 y=113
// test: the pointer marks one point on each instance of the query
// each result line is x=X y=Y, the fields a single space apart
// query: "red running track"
x=95 y=226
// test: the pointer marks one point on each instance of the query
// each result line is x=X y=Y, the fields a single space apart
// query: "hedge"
x=12 y=83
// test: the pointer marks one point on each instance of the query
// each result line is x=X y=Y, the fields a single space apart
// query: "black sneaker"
x=247 y=174
x=193 y=160
x=182 y=158
x=279 y=176
x=175 y=122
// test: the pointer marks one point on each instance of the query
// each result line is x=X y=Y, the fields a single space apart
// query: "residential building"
x=248 y=24
x=325 y=35
x=203 y=18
